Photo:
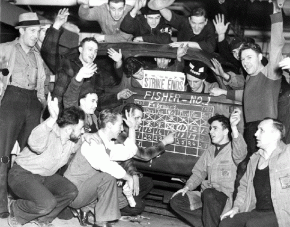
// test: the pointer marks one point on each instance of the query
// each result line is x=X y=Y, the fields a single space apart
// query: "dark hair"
x=198 y=12
x=278 y=125
x=131 y=66
x=249 y=45
x=70 y=116
x=131 y=106
x=106 y=116
x=88 y=39
x=222 y=119
x=116 y=1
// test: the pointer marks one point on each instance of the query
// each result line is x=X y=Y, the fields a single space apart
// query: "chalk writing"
x=164 y=113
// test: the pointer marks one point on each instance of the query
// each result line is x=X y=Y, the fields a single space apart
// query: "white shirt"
x=99 y=159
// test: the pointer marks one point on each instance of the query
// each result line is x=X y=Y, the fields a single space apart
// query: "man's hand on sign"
x=169 y=139
x=125 y=94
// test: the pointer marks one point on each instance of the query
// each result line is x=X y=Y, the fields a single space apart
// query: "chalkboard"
x=166 y=112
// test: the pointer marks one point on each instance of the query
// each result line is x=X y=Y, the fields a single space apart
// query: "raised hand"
x=217 y=68
x=235 y=117
x=116 y=56
x=53 y=107
x=130 y=119
x=220 y=26
x=61 y=18
x=86 y=71
x=169 y=139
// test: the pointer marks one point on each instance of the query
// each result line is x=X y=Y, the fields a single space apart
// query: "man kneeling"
x=42 y=193
x=219 y=165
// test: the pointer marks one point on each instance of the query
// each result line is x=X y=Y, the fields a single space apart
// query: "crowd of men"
x=80 y=158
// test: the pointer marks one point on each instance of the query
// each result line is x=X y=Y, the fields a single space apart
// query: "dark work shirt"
x=206 y=39
x=218 y=148
x=263 y=190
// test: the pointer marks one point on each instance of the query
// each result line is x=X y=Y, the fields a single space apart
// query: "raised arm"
x=276 y=43
x=238 y=144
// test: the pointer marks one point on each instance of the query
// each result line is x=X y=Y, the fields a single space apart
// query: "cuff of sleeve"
x=276 y=17
x=190 y=186
x=75 y=82
x=231 y=94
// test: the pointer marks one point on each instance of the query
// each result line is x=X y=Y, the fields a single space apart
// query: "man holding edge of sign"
x=218 y=164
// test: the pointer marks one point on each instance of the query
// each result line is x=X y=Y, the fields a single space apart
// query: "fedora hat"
x=27 y=20
x=159 y=4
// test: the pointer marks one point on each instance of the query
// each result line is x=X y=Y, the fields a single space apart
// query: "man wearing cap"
x=196 y=73
x=195 y=30
x=149 y=27
x=24 y=95
x=109 y=17
x=215 y=170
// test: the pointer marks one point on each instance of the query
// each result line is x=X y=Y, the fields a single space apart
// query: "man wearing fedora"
x=23 y=99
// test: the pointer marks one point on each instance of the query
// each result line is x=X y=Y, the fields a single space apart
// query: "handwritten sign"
x=164 y=80
x=167 y=112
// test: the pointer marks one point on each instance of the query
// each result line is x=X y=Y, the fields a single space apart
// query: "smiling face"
x=116 y=10
x=153 y=20
x=29 y=35
x=88 y=51
x=251 y=61
x=162 y=62
x=197 y=23
x=218 y=134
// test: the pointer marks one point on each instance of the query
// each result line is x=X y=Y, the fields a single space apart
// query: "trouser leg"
x=101 y=191
x=64 y=193
x=145 y=185
x=213 y=203
x=180 y=204
x=251 y=219
x=12 y=116
x=35 y=200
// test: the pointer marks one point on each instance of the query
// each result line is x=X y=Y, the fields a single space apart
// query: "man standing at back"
x=195 y=30
x=24 y=94
x=109 y=16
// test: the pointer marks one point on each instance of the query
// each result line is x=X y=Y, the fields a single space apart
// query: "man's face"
x=197 y=23
x=162 y=62
x=218 y=134
x=89 y=51
x=266 y=134
x=89 y=103
x=117 y=127
x=251 y=61
x=77 y=131
x=29 y=35
x=138 y=114
x=153 y=20
x=139 y=75
x=116 y=10
x=194 y=82
x=42 y=32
